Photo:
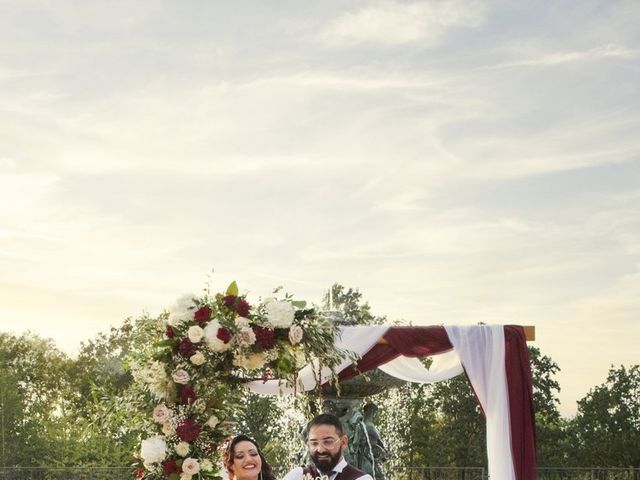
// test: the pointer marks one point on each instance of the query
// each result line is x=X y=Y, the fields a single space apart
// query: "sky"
x=457 y=161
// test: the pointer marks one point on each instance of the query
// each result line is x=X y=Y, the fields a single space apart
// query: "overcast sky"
x=456 y=161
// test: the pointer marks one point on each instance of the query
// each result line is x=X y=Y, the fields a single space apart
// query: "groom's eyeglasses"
x=326 y=443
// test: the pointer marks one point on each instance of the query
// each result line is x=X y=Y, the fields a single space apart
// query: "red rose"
x=203 y=314
x=229 y=301
x=170 y=466
x=187 y=430
x=186 y=348
x=187 y=395
x=242 y=308
x=140 y=473
x=224 y=335
x=265 y=337
x=169 y=333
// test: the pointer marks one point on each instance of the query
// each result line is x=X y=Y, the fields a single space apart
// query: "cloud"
x=395 y=23
x=559 y=58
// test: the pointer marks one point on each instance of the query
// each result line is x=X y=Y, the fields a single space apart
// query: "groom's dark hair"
x=326 y=419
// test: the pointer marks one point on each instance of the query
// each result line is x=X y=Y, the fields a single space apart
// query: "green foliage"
x=275 y=423
x=33 y=373
x=551 y=432
x=606 y=430
x=435 y=425
x=56 y=411
x=350 y=302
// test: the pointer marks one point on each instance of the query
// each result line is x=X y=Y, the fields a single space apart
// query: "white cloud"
x=395 y=23
x=559 y=58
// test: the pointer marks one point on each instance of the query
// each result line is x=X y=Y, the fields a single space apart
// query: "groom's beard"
x=326 y=461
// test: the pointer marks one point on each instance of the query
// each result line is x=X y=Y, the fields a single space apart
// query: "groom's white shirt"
x=296 y=473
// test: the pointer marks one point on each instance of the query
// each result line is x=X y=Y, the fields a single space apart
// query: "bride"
x=244 y=460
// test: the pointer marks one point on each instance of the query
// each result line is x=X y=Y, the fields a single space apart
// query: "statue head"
x=329 y=406
x=369 y=411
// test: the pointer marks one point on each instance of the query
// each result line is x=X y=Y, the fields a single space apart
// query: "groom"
x=325 y=441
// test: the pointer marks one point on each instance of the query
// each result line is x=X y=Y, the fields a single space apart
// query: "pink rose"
x=161 y=413
x=190 y=466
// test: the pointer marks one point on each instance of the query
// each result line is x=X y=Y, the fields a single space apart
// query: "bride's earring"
x=260 y=475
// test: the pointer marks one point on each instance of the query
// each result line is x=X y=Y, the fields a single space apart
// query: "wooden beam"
x=529 y=334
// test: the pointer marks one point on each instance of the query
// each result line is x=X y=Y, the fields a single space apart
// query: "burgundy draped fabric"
x=425 y=341
x=407 y=341
x=520 y=387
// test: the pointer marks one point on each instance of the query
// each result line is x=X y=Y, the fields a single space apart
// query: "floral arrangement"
x=194 y=376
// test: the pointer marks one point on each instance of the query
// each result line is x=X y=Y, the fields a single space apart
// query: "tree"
x=551 y=435
x=350 y=303
x=406 y=421
x=103 y=397
x=34 y=375
x=56 y=411
x=275 y=423
x=606 y=429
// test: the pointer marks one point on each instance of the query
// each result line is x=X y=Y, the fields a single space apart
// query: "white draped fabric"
x=446 y=365
x=480 y=349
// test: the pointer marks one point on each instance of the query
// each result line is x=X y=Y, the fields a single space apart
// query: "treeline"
x=59 y=411
x=86 y=411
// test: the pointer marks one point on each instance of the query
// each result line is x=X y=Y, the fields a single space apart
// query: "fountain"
x=365 y=448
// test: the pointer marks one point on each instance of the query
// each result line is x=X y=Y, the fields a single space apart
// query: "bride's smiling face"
x=247 y=463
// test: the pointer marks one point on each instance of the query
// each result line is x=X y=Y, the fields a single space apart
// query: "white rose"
x=161 y=413
x=242 y=322
x=195 y=333
x=153 y=449
x=253 y=361
x=168 y=429
x=190 y=466
x=182 y=310
x=279 y=314
x=180 y=376
x=206 y=465
x=185 y=476
x=197 y=358
x=295 y=334
x=212 y=421
x=183 y=449
x=247 y=336
x=211 y=337
x=186 y=301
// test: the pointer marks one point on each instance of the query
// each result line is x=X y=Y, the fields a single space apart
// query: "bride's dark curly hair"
x=266 y=472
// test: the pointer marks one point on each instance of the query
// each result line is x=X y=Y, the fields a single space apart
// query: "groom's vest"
x=348 y=473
